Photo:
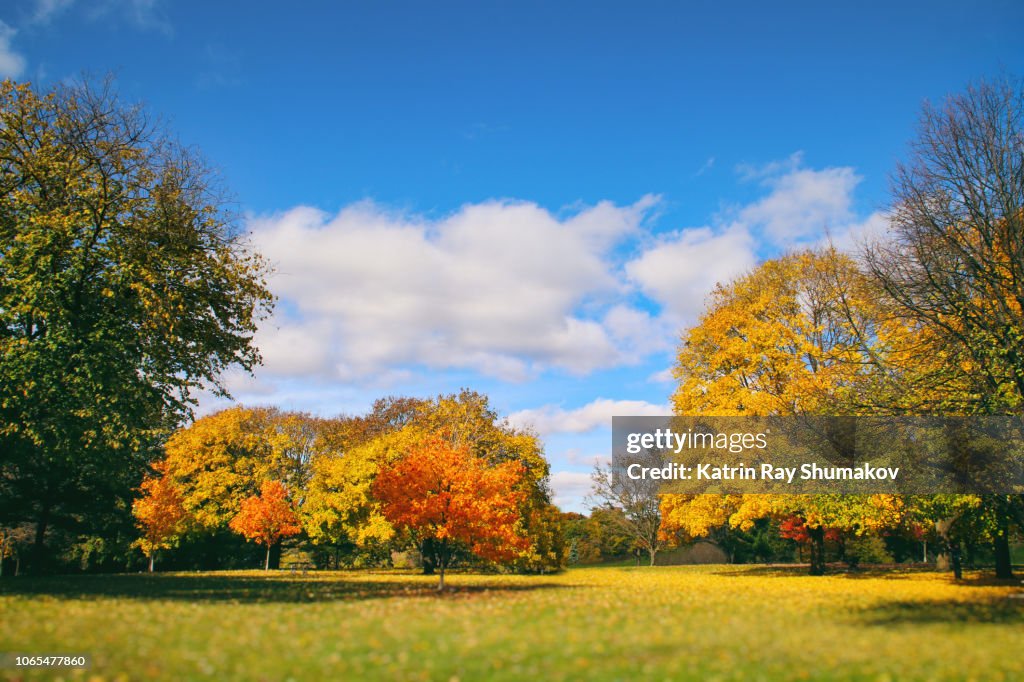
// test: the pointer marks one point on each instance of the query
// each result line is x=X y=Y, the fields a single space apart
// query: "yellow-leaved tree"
x=800 y=334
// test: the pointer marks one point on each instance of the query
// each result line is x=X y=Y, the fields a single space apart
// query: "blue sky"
x=528 y=199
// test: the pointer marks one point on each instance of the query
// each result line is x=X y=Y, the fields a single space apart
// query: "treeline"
x=927 y=319
x=422 y=477
x=236 y=487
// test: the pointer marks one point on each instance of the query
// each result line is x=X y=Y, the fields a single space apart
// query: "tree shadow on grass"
x=874 y=572
x=997 y=610
x=251 y=589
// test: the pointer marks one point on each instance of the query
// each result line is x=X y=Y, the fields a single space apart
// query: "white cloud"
x=748 y=172
x=683 y=267
x=570 y=487
x=507 y=289
x=639 y=331
x=496 y=287
x=803 y=202
x=853 y=237
x=12 y=64
x=801 y=206
x=554 y=419
x=576 y=456
x=665 y=376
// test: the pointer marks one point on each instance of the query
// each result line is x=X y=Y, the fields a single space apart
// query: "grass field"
x=673 y=623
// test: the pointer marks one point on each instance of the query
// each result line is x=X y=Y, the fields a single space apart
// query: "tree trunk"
x=1001 y=546
x=443 y=556
x=275 y=555
x=652 y=553
x=954 y=554
x=266 y=564
x=943 y=561
x=38 y=557
x=427 y=557
x=817 y=536
x=152 y=558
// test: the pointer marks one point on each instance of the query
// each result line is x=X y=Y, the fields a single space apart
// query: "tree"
x=125 y=285
x=267 y=518
x=801 y=334
x=12 y=543
x=456 y=499
x=158 y=513
x=955 y=258
x=599 y=536
x=953 y=265
x=339 y=507
x=223 y=458
x=638 y=502
x=466 y=419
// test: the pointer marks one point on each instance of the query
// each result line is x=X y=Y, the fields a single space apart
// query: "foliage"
x=329 y=466
x=339 y=506
x=447 y=494
x=953 y=263
x=639 y=505
x=791 y=337
x=801 y=334
x=267 y=518
x=866 y=549
x=223 y=458
x=952 y=267
x=598 y=537
x=124 y=286
x=158 y=513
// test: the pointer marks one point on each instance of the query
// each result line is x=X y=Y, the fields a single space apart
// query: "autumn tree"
x=455 y=498
x=267 y=518
x=223 y=458
x=596 y=537
x=953 y=262
x=13 y=542
x=801 y=334
x=467 y=419
x=341 y=508
x=125 y=284
x=635 y=505
x=158 y=513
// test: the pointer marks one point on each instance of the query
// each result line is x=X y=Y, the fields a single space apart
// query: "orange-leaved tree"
x=447 y=494
x=267 y=518
x=159 y=513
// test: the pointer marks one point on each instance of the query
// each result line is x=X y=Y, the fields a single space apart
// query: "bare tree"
x=954 y=264
x=637 y=499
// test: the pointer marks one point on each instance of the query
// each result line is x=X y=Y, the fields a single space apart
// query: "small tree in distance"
x=639 y=502
x=267 y=518
x=158 y=514
x=447 y=497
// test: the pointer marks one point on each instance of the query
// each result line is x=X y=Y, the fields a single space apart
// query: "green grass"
x=672 y=623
